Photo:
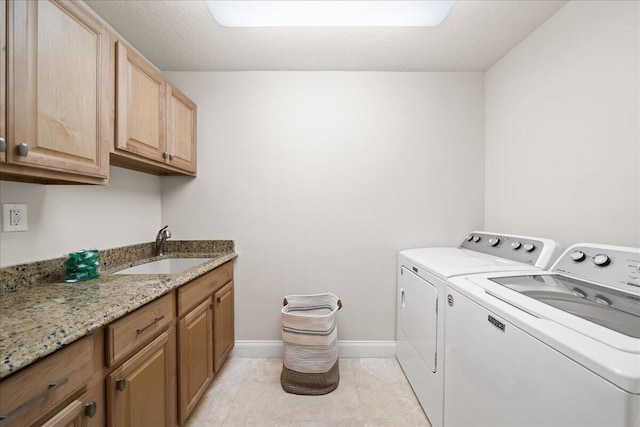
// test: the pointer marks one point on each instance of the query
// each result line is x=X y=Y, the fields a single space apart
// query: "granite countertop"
x=40 y=313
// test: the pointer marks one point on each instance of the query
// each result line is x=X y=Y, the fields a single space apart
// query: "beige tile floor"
x=247 y=392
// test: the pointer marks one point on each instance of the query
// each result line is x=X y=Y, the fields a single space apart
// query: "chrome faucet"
x=162 y=237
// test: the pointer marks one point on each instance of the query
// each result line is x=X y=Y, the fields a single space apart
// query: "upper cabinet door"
x=141 y=106
x=181 y=133
x=58 y=105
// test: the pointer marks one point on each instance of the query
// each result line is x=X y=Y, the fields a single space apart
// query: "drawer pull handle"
x=156 y=320
x=3 y=145
x=121 y=383
x=30 y=403
x=90 y=409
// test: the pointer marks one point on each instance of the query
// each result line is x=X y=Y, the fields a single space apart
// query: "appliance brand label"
x=495 y=322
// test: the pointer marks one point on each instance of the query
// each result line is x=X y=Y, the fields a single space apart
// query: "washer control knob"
x=578 y=256
x=601 y=260
x=469 y=237
x=494 y=241
x=476 y=239
x=516 y=245
x=529 y=247
x=579 y=292
x=602 y=300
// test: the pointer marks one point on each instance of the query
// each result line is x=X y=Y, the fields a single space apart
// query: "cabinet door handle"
x=170 y=156
x=218 y=300
x=23 y=149
x=165 y=155
x=121 y=383
x=156 y=320
x=90 y=409
x=3 y=145
x=211 y=306
x=54 y=386
x=402 y=297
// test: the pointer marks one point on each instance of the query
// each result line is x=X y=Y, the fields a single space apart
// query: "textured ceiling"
x=181 y=35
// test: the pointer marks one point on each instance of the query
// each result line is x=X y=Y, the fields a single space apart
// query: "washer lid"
x=540 y=309
x=612 y=308
x=449 y=262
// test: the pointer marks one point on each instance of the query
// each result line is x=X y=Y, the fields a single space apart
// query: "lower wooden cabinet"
x=94 y=406
x=130 y=373
x=49 y=384
x=71 y=416
x=86 y=411
x=205 y=333
x=223 y=335
x=142 y=391
x=195 y=356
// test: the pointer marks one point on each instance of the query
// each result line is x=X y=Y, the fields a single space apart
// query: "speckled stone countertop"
x=40 y=313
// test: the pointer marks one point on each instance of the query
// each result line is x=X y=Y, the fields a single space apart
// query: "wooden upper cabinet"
x=58 y=93
x=181 y=130
x=156 y=123
x=141 y=106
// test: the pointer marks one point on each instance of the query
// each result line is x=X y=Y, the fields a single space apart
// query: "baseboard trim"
x=253 y=348
x=367 y=348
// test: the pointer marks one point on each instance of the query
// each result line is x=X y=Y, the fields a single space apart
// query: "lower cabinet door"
x=223 y=332
x=71 y=416
x=195 y=356
x=142 y=391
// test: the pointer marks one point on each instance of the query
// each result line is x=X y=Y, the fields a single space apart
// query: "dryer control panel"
x=529 y=250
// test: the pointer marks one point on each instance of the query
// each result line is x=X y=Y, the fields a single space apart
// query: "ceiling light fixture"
x=330 y=13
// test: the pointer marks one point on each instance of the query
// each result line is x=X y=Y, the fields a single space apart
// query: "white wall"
x=321 y=177
x=562 y=130
x=65 y=218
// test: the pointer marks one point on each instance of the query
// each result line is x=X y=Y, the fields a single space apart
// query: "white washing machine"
x=421 y=294
x=558 y=348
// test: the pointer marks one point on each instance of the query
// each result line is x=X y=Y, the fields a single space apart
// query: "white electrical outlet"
x=14 y=217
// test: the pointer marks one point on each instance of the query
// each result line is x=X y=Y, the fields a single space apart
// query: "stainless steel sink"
x=165 y=266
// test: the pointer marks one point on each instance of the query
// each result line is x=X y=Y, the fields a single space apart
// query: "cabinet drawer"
x=203 y=287
x=137 y=328
x=34 y=391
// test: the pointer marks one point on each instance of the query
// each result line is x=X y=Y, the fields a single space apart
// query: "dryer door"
x=418 y=315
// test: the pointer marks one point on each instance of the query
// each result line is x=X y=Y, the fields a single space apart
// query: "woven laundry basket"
x=310 y=337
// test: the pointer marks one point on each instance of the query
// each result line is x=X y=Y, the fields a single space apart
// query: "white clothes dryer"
x=422 y=275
